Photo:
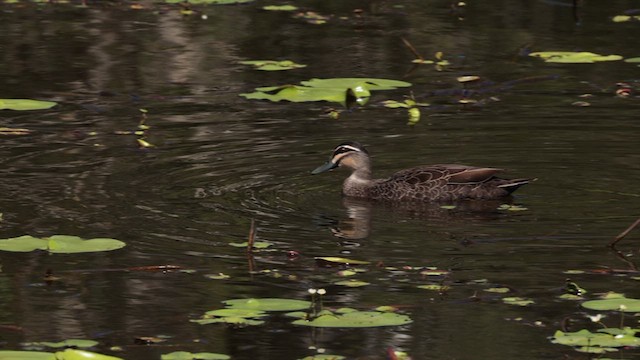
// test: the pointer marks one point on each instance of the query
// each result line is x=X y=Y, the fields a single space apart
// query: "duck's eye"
x=344 y=149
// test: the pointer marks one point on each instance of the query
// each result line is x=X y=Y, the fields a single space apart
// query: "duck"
x=427 y=183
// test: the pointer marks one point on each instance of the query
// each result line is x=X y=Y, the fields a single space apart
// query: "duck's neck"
x=358 y=183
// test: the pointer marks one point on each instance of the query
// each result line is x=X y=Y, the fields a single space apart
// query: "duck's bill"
x=326 y=167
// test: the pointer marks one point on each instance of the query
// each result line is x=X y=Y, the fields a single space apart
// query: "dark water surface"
x=220 y=160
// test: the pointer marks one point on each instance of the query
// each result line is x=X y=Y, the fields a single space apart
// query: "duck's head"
x=349 y=154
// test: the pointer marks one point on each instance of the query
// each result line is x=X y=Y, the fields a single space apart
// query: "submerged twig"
x=412 y=49
x=252 y=236
x=620 y=236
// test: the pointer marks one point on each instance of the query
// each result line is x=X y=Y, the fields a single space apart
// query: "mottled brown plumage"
x=446 y=182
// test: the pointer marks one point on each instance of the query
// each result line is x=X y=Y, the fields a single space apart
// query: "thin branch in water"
x=252 y=236
x=412 y=49
x=620 y=236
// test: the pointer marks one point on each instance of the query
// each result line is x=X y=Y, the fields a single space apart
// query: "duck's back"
x=443 y=183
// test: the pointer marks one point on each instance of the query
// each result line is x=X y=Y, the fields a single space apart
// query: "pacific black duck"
x=446 y=182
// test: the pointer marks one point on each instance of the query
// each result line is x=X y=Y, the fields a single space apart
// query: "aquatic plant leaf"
x=26 y=355
x=243 y=313
x=73 y=354
x=338 y=90
x=25 y=104
x=59 y=244
x=256 y=244
x=14 y=131
x=213 y=2
x=573 y=57
x=184 y=355
x=324 y=357
x=352 y=283
x=586 y=338
x=280 y=8
x=357 y=319
x=81 y=343
x=228 y=320
x=433 y=287
x=520 y=301
x=625 y=18
x=339 y=260
x=268 y=304
x=218 y=276
x=272 y=65
x=615 y=304
x=499 y=290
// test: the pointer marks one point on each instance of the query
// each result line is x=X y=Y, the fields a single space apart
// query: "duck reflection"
x=356 y=224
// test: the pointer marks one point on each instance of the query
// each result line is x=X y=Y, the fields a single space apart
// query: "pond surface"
x=220 y=161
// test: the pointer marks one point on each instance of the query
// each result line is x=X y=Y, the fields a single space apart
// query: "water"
x=220 y=160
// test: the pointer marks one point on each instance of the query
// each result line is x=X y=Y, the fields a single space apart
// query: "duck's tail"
x=513 y=184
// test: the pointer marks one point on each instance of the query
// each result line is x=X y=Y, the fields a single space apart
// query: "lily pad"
x=615 y=304
x=78 y=343
x=256 y=244
x=599 y=339
x=184 y=355
x=339 y=260
x=433 y=287
x=280 y=8
x=25 y=104
x=338 y=90
x=520 y=301
x=243 y=313
x=573 y=57
x=268 y=304
x=352 y=283
x=213 y=2
x=625 y=18
x=356 y=319
x=324 y=357
x=26 y=355
x=59 y=244
x=272 y=65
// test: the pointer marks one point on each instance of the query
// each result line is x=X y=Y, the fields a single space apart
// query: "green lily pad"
x=256 y=244
x=280 y=8
x=59 y=244
x=352 y=283
x=78 y=343
x=337 y=90
x=632 y=60
x=499 y=290
x=272 y=65
x=625 y=18
x=573 y=57
x=73 y=354
x=26 y=355
x=213 y=2
x=228 y=320
x=339 y=260
x=356 y=319
x=218 y=276
x=599 y=339
x=25 y=104
x=243 y=313
x=268 y=304
x=520 y=301
x=433 y=287
x=184 y=355
x=615 y=304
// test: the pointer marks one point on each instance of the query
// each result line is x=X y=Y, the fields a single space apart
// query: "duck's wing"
x=444 y=174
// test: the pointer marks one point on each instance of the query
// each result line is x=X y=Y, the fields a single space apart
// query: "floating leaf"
x=312 y=17
x=352 y=283
x=26 y=355
x=280 y=7
x=584 y=337
x=213 y=2
x=228 y=320
x=632 y=60
x=218 y=276
x=272 y=65
x=25 y=104
x=499 y=290
x=268 y=304
x=520 y=301
x=243 y=313
x=77 y=343
x=356 y=319
x=339 y=260
x=324 y=357
x=573 y=57
x=339 y=90
x=625 y=18
x=59 y=244
x=434 y=287
x=14 y=131
x=256 y=244
x=183 y=355
x=434 y=272
x=510 y=207
x=616 y=304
